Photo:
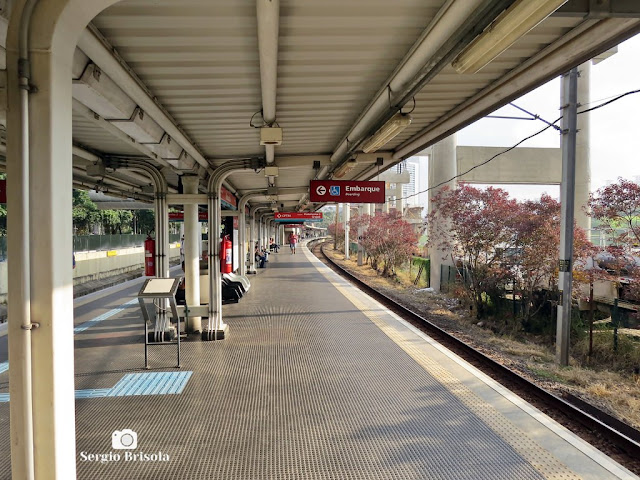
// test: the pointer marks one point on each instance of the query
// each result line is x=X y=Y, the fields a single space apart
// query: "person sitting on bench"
x=260 y=258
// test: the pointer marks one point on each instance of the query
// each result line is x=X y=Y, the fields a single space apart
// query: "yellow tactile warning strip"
x=542 y=460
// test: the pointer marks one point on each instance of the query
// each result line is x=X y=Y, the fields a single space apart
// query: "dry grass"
x=615 y=392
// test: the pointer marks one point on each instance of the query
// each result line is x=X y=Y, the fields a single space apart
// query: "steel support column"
x=567 y=194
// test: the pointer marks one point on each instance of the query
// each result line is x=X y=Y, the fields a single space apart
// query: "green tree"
x=116 y=221
x=144 y=221
x=85 y=212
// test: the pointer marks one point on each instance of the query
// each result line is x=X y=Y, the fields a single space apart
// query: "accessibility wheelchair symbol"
x=334 y=190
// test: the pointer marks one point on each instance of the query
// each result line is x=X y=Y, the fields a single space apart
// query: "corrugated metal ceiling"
x=199 y=58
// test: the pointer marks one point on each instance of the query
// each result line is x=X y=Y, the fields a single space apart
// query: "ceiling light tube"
x=387 y=132
x=167 y=148
x=142 y=128
x=101 y=94
x=510 y=26
x=345 y=168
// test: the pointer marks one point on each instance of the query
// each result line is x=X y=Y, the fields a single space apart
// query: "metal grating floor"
x=306 y=386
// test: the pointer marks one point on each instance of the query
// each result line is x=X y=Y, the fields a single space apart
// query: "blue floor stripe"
x=83 y=326
x=4 y=366
x=153 y=383
x=135 y=384
x=92 y=393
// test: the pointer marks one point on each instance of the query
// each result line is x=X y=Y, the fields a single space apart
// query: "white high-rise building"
x=415 y=192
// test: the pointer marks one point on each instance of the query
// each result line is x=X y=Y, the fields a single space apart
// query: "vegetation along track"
x=617 y=439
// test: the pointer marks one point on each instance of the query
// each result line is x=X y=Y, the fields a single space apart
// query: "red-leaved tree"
x=476 y=227
x=337 y=234
x=388 y=240
x=617 y=207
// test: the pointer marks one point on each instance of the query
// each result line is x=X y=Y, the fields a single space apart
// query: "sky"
x=614 y=132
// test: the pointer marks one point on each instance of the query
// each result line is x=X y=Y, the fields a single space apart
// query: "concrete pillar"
x=399 y=199
x=442 y=167
x=583 y=151
x=41 y=377
x=252 y=242
x=192 y=237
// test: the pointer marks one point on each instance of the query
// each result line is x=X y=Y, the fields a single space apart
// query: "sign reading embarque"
x=346 y=191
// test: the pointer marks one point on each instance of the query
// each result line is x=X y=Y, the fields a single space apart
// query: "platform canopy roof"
x=189 y=85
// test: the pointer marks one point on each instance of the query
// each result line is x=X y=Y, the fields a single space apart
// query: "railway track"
x=616 y=438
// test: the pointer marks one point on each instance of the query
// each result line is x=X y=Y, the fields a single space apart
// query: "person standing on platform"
x=293 y=240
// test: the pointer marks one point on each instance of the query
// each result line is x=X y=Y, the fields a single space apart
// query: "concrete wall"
x=96 y=265
x=537 y=166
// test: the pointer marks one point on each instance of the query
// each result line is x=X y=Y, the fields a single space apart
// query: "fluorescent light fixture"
x=345 y=168
x=168 y=148
x=97 y=91
x=141 y=127
x=185 y=162
x=511 y=25
x=387 y=132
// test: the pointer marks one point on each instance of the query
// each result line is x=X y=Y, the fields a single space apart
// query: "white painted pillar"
x=442 y=167
x=347 y=216
x=583 y=151
x=252 y=242
x=41 y=287
x=399 y=200
x=192 y=251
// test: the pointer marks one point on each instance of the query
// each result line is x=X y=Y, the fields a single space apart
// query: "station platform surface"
x=314 y=381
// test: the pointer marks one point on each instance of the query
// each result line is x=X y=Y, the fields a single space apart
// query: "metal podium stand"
x=162 y=289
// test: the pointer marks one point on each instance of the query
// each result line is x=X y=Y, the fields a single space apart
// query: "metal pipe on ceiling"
x=268 y=14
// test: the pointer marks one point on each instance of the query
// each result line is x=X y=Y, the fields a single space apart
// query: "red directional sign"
x=306 y=216
x=346 y=191
x=179 y=216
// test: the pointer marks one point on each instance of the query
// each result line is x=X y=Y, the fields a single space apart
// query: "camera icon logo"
x=125 y=439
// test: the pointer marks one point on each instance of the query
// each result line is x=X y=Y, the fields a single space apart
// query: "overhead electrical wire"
x=549 y=125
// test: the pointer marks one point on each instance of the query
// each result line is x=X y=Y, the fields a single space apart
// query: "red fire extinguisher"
x=150 y=257
x=226 y=252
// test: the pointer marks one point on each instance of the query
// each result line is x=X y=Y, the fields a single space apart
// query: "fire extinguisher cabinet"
x=150 y=257
x=226 y=255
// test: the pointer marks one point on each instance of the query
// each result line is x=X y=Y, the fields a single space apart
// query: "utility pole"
x=567 y=194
